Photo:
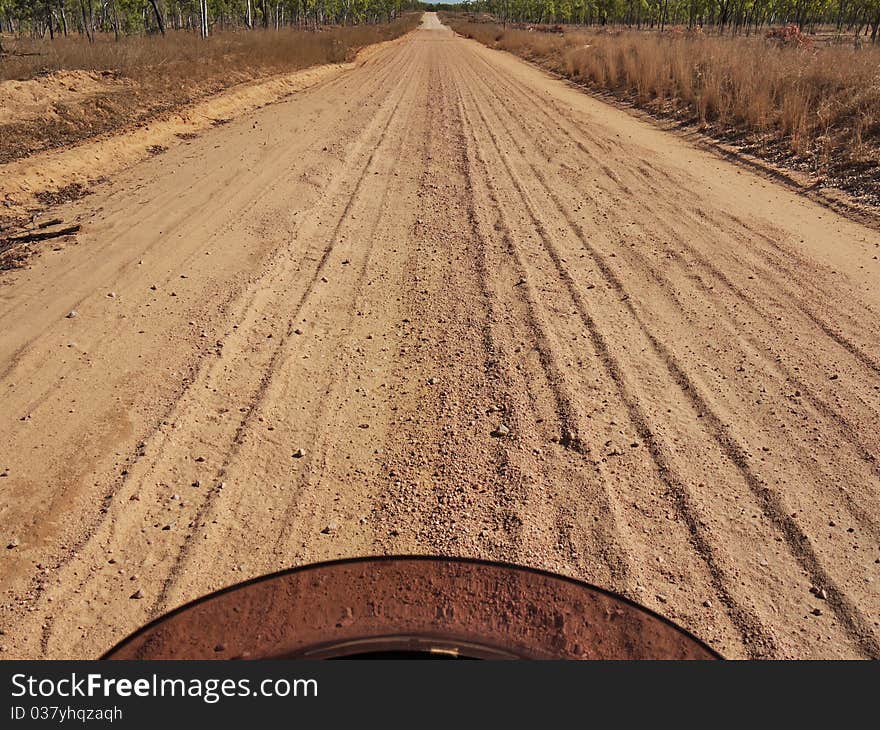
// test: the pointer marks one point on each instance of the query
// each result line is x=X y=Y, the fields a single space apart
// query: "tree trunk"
x=86 y=18
x=115 y=21
x=160 y=21
x=203 y=11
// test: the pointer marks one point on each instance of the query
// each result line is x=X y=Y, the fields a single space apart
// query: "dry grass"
x=819 y=107
x=185 y=56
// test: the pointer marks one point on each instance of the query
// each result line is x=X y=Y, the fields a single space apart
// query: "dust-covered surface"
x=41 y=97
x=442 y=303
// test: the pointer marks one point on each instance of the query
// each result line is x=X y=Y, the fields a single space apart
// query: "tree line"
x=50 y=18
x=727 y=16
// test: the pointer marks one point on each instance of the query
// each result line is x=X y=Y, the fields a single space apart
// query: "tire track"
x=787 y=273
x=272 y=369
x=797 y=539
x=208 y=368
x=848 y=615
x=567 y=415
x=846 y=429
x=754 y=636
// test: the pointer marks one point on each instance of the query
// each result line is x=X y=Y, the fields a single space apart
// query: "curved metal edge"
x=402 y=558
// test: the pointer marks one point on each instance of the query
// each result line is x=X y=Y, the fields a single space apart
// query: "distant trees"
x=47 y=18
x=727 y=16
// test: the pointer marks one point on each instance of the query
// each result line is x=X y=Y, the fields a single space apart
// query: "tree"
x=160 y=22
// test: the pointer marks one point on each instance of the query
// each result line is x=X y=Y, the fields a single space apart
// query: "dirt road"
x=382 y=270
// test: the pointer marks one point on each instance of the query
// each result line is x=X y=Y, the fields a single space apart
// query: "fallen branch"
x=41 y=235
x=17 y=228
x=50 y=223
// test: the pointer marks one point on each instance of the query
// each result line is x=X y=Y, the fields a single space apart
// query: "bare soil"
x=297 y=337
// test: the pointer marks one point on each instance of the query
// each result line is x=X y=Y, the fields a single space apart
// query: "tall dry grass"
x=185 y=55
x=822 y=101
